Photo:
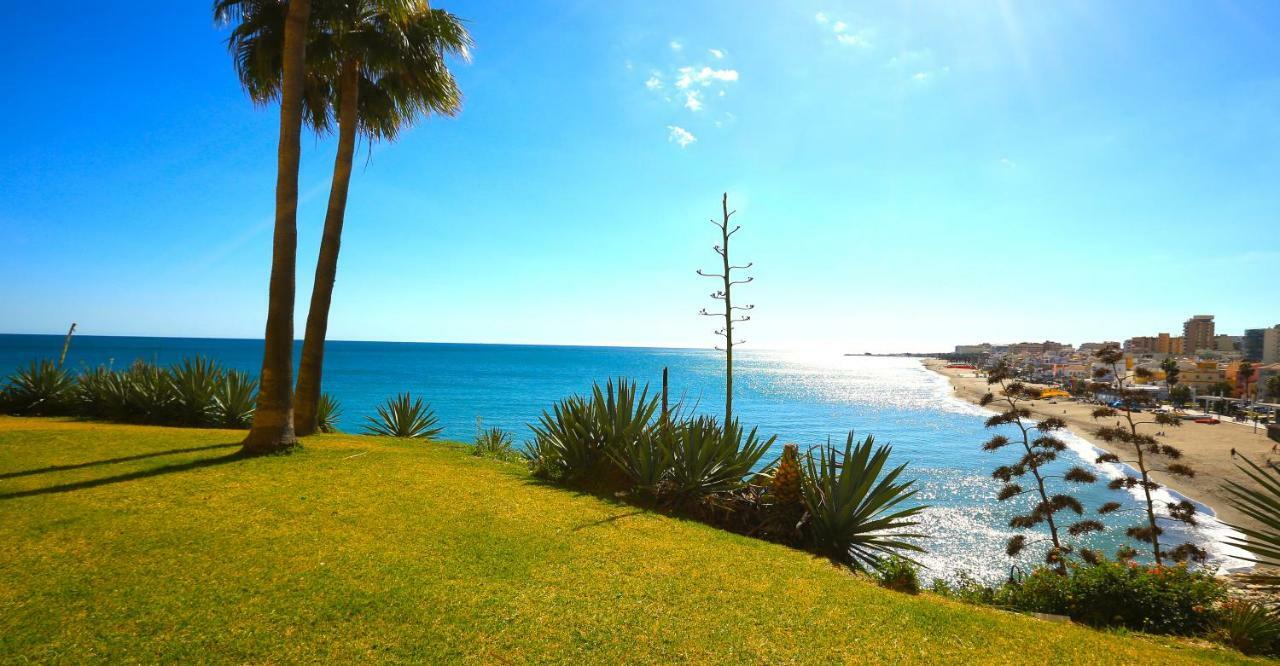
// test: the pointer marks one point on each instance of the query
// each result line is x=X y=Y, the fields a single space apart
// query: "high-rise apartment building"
x=1254 y=339
x=1167 y=344
x=1197 y=334
x=1271 y=345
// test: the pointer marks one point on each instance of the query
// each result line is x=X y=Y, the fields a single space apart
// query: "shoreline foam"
x=1212 y=533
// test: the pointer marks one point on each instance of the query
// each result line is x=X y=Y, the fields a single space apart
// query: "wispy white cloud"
x=680 y=136
x=860 y=38
x=918 y=66
x=654 y=82
x=675 y=45
x=716 y=53
x=691 y=100
x=1007 y=163
x=704 y=77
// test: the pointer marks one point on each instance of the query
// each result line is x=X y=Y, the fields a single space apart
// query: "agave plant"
x=854 y=511
x=580 y=438
x=328 y=411
x=196 y=383
x=106 y=394
x=707 y=458
x=42 y=389
x=235 y=400
x=494 y=443
x=149 y=393
x=404 y=416
x=1263 y=505
x=645 y=460
x=1250 y=627
x=93 y=391
x=568 y=444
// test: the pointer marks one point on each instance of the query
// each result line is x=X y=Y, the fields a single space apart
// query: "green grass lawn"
x=127 y=543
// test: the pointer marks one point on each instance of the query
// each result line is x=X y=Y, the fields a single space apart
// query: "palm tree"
x=386 y=69
x=1244 y=375
x=273 y=419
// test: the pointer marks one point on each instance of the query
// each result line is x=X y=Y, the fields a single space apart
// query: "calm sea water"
x=805 y=399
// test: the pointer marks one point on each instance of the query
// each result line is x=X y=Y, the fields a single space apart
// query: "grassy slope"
x=360 y=547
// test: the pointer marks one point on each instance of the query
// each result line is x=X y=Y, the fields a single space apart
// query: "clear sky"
x=909 y=175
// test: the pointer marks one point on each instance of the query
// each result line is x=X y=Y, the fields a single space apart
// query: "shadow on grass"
x=111 y=461
x=609 y=519
x=131 y=476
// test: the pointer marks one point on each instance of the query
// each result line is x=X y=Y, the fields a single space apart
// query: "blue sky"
x=909 y=175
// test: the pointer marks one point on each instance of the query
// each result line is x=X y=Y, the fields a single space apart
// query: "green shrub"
x=404 y=416
x=854 y=514
x=328 y=411
x=235 y=400
x=195 y=388
x=1249 y=627
x=898 y=574
x=1154 y=599
x=965 y=588
x=1045 y=590
x=41 y=389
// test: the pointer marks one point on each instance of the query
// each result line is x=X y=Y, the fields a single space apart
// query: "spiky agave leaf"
x=236 y=399
x=404 y=416
x=328 y=411
x=1261 y=503
x=195 y=383
x=567 y=443
x=706 y=457
x=854 y=510
x=41 y=388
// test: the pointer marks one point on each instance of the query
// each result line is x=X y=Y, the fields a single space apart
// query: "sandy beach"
x=1205 y=448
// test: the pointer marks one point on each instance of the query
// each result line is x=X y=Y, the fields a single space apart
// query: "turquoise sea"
x=802 y=398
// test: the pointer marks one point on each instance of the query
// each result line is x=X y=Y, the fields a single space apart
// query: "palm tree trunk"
x=306 y=419
x=273 y=420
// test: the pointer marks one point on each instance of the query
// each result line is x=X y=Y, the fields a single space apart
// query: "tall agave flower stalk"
x=1038 y=448
x=1144 y=452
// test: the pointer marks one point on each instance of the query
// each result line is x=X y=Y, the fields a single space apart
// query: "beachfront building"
x=973 y=350
x=1038 y=348
x=1271 y=345
x=1197 y=333
x=1252 y=347
x=1227 y=343
x=1202 y=375
x=1141 y=344
x=1090 y=348
x=1168 y=345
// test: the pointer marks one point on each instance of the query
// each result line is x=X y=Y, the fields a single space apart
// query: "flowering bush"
x=1155 y=599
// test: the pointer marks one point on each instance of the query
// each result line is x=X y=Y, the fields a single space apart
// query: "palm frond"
x=1261 y=503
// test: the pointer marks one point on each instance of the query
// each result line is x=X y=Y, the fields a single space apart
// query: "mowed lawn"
x=124 y=543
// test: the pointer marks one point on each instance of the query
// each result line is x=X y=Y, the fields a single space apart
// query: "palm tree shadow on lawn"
x=110 y=461
x=130 y=476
